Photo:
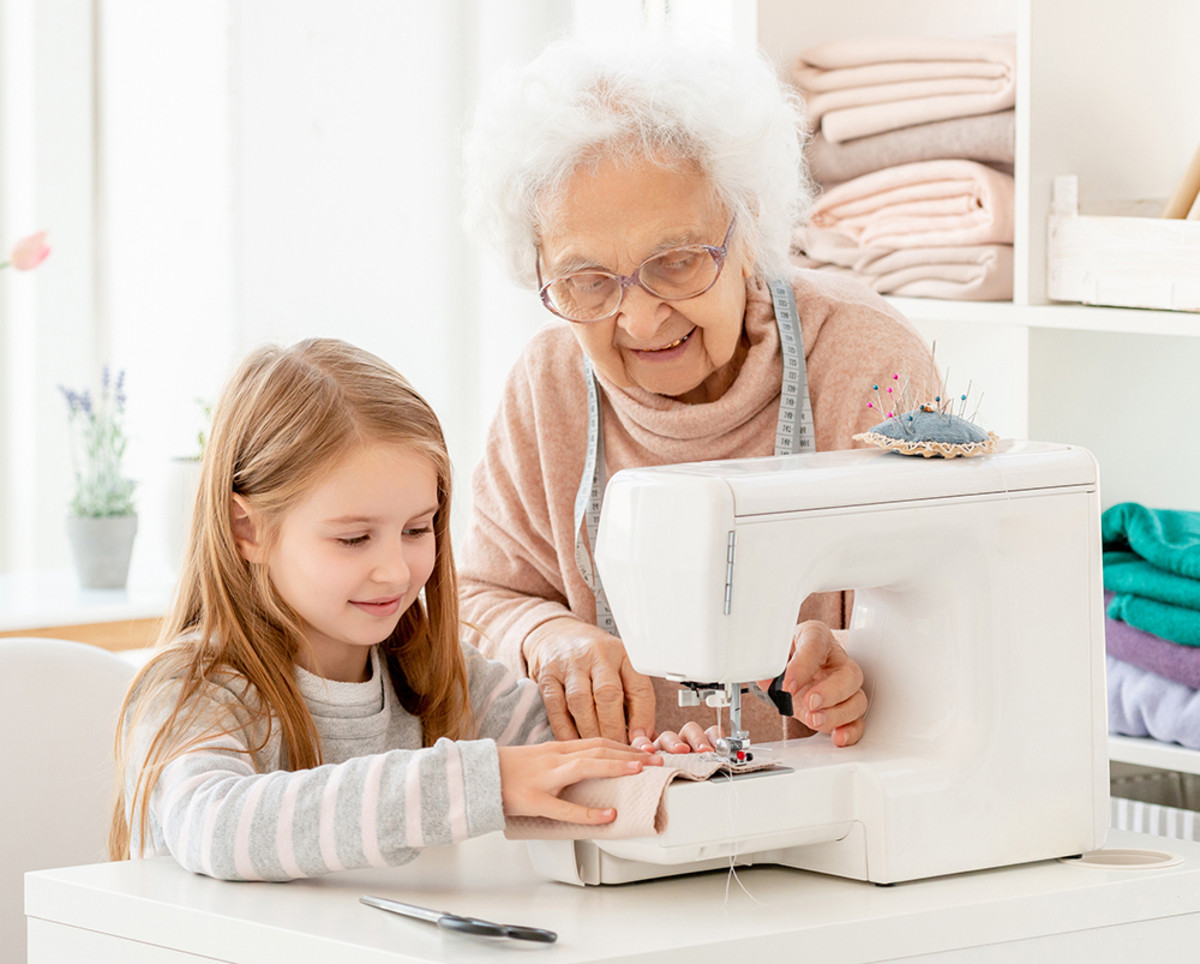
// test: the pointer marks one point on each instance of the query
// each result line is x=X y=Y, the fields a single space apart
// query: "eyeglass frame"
x=719 y=254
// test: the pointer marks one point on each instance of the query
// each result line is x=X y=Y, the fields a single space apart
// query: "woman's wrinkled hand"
x=532 y=777
x=825 y=683
x=587 y=683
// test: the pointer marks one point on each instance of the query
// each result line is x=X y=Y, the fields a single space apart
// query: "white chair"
x=58 y=714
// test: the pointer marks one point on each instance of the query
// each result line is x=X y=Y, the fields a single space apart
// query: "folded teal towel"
x=1152 y=565
x=1125 y=572
x=1169 y=538
x=1173 y=623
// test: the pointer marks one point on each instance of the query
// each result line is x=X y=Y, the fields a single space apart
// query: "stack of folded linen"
x=1152 y=630
x=913 y=146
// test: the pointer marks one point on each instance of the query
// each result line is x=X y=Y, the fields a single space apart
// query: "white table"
x=152 y=910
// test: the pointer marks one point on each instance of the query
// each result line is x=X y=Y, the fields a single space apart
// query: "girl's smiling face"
x=616 y=216
x=354 y=554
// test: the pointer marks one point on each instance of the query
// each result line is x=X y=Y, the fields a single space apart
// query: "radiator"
x=1155 y=818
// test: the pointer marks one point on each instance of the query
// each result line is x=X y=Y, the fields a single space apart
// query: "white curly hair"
x=713 y=105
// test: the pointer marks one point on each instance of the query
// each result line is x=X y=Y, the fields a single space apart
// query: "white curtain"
x=218 y=175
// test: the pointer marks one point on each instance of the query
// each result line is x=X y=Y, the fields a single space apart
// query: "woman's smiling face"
x=614 y=217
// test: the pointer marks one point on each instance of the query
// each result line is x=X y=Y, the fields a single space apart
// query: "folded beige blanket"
x=960 y=273
x=639 y=799
x=924 y=204
x=987 y=138
x=856 y=88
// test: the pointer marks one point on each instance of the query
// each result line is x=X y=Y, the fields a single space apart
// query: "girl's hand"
x=825 y=683
x=587 y=683
x=532 y=777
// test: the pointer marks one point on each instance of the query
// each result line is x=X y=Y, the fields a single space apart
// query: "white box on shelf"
x=1124 y=261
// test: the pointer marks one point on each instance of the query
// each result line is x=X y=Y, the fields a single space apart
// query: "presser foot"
x=734 y=750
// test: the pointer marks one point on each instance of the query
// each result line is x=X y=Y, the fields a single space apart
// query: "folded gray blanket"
x=987 y=138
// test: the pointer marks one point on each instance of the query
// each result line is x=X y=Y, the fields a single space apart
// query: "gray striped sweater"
x=227 y=812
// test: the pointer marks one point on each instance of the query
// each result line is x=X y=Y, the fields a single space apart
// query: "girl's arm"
x=217 y=815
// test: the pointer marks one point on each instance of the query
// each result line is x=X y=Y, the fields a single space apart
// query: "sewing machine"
x=978 y=622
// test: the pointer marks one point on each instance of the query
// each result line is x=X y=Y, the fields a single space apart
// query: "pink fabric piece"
x=862 y=51
x=821 y=80
x=962 y=273
x=817 y=105
x=518 y=569
x=924 y=204
x=858 y=88
x=640 y=801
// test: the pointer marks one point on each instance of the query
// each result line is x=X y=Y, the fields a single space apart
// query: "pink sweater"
x=518 y=566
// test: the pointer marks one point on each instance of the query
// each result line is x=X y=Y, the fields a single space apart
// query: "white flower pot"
x=101 y=547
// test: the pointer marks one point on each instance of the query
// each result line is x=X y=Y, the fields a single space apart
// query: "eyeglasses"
x=675 y=275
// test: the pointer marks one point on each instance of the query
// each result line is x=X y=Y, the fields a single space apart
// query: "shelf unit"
x=1107 y=95
x=1063 y=317
x=1151 y=753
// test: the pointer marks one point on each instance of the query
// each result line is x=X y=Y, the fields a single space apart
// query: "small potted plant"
x=102 y=521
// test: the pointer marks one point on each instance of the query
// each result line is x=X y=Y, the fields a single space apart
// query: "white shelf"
x=35 y=600
x=1072 y=317
x=1151 y=753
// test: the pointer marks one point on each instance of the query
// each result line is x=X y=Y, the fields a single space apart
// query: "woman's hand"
x=825 y=683
x=587 y=683
x=532 y=777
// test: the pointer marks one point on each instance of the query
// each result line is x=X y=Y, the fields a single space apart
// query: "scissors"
x=466 y=925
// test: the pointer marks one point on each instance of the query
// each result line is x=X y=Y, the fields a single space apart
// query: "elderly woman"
x=649 y=194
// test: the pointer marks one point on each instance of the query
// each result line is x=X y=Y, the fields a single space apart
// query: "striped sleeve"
x=507 y=709
x=217 y=815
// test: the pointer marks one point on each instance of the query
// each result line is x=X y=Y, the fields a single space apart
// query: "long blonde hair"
x=284 y=420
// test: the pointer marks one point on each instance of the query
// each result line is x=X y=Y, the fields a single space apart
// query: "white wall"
x=47 y=319
x=1130 y=400
x=164 y=184
x=233 y=173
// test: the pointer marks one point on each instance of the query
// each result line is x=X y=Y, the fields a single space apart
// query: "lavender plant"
x=97 y=449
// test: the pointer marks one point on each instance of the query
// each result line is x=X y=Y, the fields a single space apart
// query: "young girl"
x=312 y=708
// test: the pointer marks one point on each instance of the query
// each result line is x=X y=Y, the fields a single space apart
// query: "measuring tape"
x=794 y=431
x=793 y=434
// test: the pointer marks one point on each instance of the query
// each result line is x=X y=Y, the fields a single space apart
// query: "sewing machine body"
x=978 y=622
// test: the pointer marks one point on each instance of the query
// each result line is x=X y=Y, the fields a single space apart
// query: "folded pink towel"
x=869 y=51
x=639 y=799
x=924 y=204
x=987 y=138
x=959 y=273
x=856 y=88
x=813 y=79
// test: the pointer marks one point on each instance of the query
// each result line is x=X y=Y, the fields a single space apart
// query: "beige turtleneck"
x=518 y=565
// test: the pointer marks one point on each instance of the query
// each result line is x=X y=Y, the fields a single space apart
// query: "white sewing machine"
x=978 y=622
